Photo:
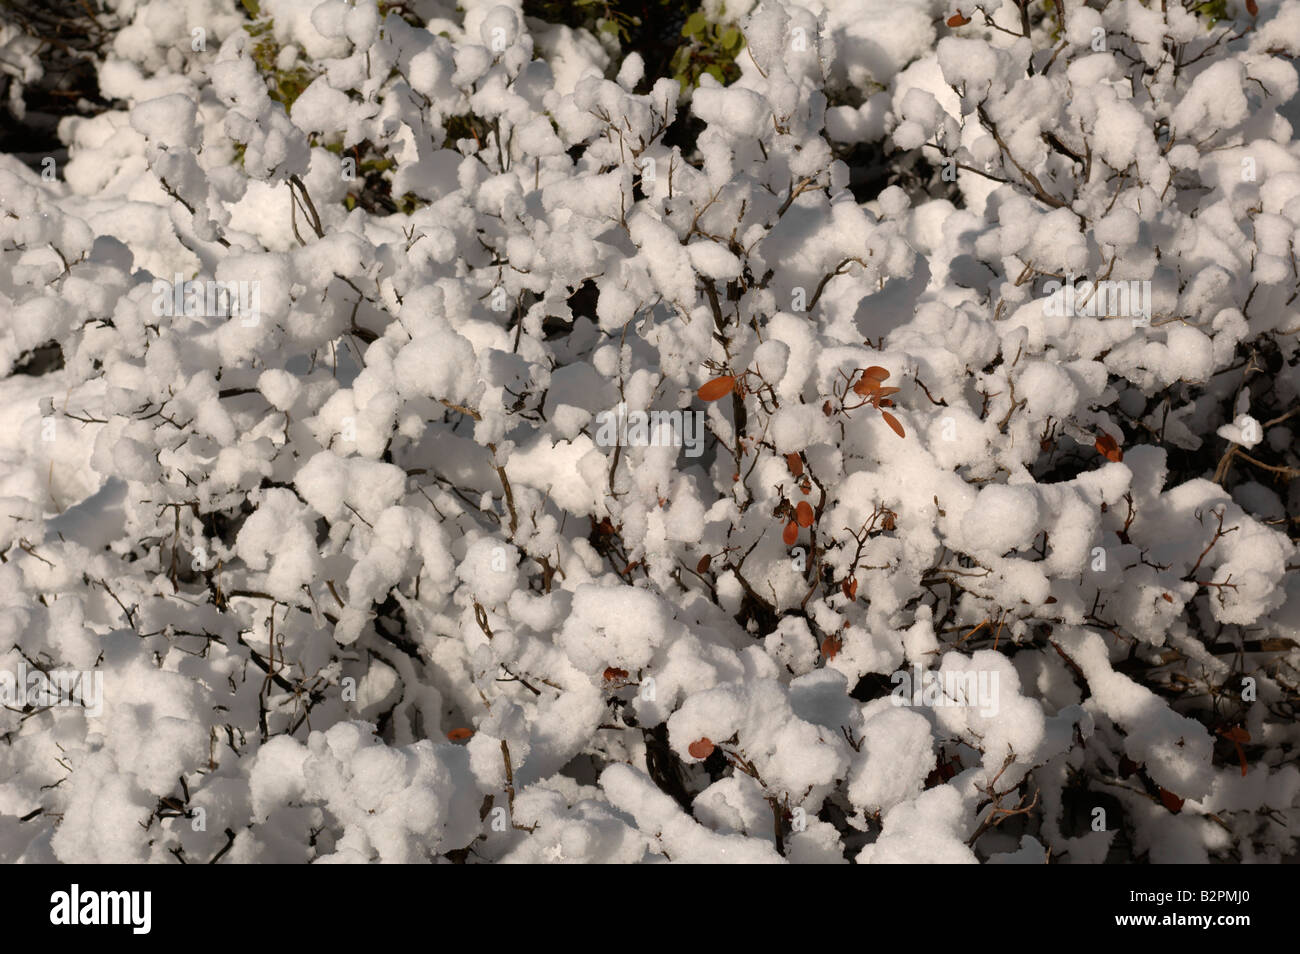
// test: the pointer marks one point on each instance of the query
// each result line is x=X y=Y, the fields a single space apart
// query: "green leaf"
x=731 y=40
x=715 y=71
x=695 y=24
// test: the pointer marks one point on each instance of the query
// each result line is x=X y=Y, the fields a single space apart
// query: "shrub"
x=633 y=489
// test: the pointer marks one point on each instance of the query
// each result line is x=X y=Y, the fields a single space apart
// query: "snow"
x=366 y=577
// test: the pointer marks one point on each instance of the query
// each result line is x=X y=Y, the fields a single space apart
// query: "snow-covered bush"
x=467 y=447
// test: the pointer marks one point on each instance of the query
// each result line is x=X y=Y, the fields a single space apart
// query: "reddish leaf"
x=791 y=533
x=614 y=674
x=831 y=647
x=460 y=735
x=1166 y=597
x=1170 y=800
x=893 y=423
x=870 y=380
x=1252 y=8
x=703 y=565
x=803 y=514
x=826 y=409
x=1237 y=735
x=957 y=20
x=795 y=463
x=1127 y=767
x=1109 y=449
x=717 y=388
x=700 y=748
x=850 y=588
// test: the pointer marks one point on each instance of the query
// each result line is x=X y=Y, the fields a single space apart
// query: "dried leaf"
x=1108 y=448
x=893 y=423
x=831 y=647
x=795 y=463
x=869 y=383
x=803 y=514
x=1252 y=8
x=703 y=565
x=791 y=533
x=460 y=735
x=717 y=389
x=1171 y=801
x=700 y=748
x=614 y=674
x=957 y=20
x=850 y=588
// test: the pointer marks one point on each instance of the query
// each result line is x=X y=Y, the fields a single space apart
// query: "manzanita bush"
x=989 y=555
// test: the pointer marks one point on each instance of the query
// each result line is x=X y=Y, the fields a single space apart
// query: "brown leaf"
x=795 y=463
x=460 y=735
x=1170 y=800
x=1252 y=8
x=957 y=20
x=893 y=423
x=1166 y=597
x=1108 y=448
x=791 y=533
x=869 y=383
x=850 y=588
x=831 y=647
x=717 y=389
x=614 y=674
x=826 y=409
x=700 y=748
x=803 y=514
x=703 y=565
